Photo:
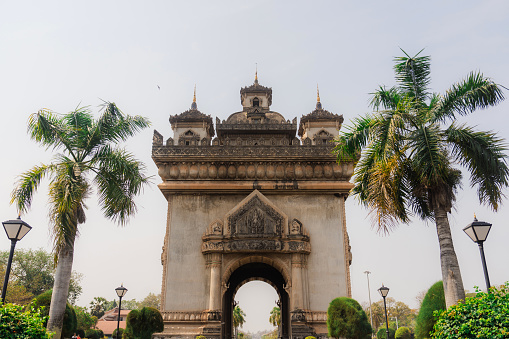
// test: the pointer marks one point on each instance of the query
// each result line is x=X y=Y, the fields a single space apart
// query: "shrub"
x=346 y=318
x=16 y=323
x=486 y=315
x=310 y=337
x=93 y=334
x=80 y=332
x=382 y=333
x=70 y=319
x=143 y=323
x=403 y=333
x=434 y=300
x=121 y=333
x=201 y=337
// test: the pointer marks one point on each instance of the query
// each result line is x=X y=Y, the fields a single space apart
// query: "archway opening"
x=257 y=299
x=262 y=272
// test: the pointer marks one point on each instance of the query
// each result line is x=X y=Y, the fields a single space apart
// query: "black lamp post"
x=478 y=232
x=121 y=291
x=383 y=292
x=15 y=230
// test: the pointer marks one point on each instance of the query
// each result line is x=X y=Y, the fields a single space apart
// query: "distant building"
x=108 y=322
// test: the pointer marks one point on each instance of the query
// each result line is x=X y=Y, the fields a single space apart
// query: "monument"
x=249 y=200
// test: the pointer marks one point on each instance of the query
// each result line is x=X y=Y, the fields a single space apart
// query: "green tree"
x=409 y=148
x=403 y=333
x=16 y=293
x=35 y=270
x=434 y=300
x=151 y=300
x=89 y=153
x=141 y=324
x=347 y=319
x=93 y=334
x=486 y=315
x=18 y=323
x=131 y=304
x=85 y=319
x=238 y=319
x=120 y=332
x=98 y=306
x=275 y=316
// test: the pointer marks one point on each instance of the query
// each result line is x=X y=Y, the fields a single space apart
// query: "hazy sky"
x=59 y=55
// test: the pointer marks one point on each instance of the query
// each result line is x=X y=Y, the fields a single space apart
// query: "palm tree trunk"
x=60 y=290
x=451 y=275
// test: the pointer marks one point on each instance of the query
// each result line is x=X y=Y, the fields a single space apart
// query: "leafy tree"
x=382 y=333
x=93 y=334
x=141 y=324
x=484 y=316
x=89 y=153
x=18 y=323
x=85 y=319
x=347 y=319
x=238 y=318
x=434 y=300
x=406 y=316
x=403 y=333
x=151 y=300
x=35 y=271
x=275 y=316
x=16 y=293
x=131 y=304
x=98 y=306
x=120 y=331
x=408 y=155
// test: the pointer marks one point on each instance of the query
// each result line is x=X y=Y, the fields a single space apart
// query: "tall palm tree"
x=87 y=154
x=275 y=316
x=408 y=150
x=238 y=319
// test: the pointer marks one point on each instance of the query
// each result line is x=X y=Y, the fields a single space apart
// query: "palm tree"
x=87 y=155
x=238 y=318
x=408 y=150
x=275 y=316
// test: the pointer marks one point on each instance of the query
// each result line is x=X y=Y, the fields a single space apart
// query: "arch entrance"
x=255 y=271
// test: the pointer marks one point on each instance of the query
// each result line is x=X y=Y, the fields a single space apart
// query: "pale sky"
x=61 y=54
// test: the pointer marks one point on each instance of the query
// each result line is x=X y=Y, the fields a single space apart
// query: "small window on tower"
x=256 y=102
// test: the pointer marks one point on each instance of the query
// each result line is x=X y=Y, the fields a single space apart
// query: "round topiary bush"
x=403 y=333
x=310 y=337
x=120 y=331
x=143 y=323
x=201 y=337
x=70 y=320
x=382 y=333
x=92 y=334
x=347 y=319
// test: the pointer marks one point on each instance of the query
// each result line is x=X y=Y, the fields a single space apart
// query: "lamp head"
x=477 y=230
x=383 y=291
x=121 y=291
x=16 y=229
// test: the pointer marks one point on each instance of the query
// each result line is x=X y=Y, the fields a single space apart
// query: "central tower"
x=255 y=202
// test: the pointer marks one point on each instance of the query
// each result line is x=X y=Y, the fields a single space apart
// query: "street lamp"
x=383 y=292
x=478 y=232
x=15 y=230
x=121 y=291
x=369 y=295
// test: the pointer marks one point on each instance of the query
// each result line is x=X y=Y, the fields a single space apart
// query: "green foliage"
x=238 y=317
x=200 y=337
x=85 y=319
x=382 y=333
x=275 y=316
x=98 y=306
x=310 y=337
x=120 y=331
x=484 y=316
x=433 y=301
x=403 y=333
x=43 y=302
x=18 y=323
x=80 y=332
x=346 y=318
x=151 y=300
x=141 y=324
x=93 y=334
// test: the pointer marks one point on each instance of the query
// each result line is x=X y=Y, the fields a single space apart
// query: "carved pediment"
x=255 y=216
x=255 y=225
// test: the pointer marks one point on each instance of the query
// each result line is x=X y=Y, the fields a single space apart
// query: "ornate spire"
x=193 y=105
x=318 y=103
x=256 y=74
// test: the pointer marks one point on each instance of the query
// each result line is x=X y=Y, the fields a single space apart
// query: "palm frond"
x=119 y=178
x=27 y=185
x=387 y=99
x=482 y=153
x=349 y=144
x=50 y=130
x=476 y=91
x=412 y=74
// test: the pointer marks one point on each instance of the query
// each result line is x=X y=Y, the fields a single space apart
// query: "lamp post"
x=15 y=230
x=383 y=292
x=121 y=291
x=369 y=296
x=478 y=232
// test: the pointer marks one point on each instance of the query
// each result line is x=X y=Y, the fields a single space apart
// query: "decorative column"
x=215 y=282
x=297 y=283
